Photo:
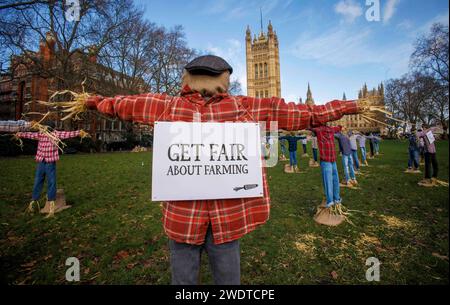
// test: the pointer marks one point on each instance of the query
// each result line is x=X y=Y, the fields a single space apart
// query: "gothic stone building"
x=263 y=79
x=356 y=122
x=263 y=64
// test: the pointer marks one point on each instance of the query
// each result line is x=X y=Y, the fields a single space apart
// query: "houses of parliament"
x=263 y=79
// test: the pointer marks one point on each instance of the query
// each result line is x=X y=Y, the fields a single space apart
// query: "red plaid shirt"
x=230 y=219
x=47 y=151
x=325 y=141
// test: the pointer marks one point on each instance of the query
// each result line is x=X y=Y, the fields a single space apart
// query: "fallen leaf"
x=440 y=256
x=334 y=275
x=122 y=255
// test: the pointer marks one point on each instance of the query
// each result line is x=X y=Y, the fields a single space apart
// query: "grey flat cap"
x=210 y=64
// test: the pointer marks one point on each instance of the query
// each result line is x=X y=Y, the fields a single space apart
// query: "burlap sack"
x=60 y=203
x=288 y=169
x=325 y=217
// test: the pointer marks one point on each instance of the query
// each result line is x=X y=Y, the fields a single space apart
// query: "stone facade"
x=356 y=122
x=263 y=64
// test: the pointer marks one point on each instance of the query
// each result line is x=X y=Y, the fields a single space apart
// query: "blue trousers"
x=355 y=158
x=330 y=179
x=43 y=170
x=315 y=154
x=347 y=164
x=363 y=154
x=413 y=158
x=376 y=146
x=283 y=150
x=292 y=158
x=304 y=148
x=224 y=261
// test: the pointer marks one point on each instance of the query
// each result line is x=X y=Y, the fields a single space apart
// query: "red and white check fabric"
x=230 y=219
x=47 y=150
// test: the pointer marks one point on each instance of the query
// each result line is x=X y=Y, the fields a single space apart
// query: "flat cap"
x=209 y=64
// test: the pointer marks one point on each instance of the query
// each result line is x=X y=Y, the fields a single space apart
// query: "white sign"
x=430 y=137
x=195 y=161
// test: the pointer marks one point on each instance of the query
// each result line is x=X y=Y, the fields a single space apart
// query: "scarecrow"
x=212 y=225
x=46 y=156
x=292 y=139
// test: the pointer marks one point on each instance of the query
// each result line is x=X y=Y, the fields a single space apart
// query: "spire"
x=260 y=11
x=309 y=98
x=248 y=34
x=344 y=98
x=365 y=91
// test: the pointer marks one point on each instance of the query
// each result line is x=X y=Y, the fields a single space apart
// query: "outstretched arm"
x=28 y=135
x=291 y=116
x=70 y=134
x=143 y=108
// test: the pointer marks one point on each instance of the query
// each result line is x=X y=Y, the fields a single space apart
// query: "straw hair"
x=74 y=107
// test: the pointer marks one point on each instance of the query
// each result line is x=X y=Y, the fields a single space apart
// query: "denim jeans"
x=293 y=158
x=304 y=148
x=315 y=154
x=431 y=163
x=355 y=158
x=330 y=179
x=376 y=147
x=413 y=158
x=224 y=261
x=363 y=154
x=283 y=150
x=43 y=170
x=347 y=164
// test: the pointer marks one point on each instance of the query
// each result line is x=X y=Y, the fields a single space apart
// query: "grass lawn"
x=115 y=230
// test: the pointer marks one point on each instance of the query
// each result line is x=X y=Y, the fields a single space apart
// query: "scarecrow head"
x=207 y=75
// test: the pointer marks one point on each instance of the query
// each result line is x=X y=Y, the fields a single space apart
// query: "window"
x=256 y=71
x=257 y=94
x=261 y=70
x=267 y=93
x=265 y=69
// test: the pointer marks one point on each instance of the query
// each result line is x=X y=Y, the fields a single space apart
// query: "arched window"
x=267 y=93
x=257 y=94
x=256 y=71
x=265 y=69
x=261 y=70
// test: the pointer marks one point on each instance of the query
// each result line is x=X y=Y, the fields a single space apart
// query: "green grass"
x=116 y=232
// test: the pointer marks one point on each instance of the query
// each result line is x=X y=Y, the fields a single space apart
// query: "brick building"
x=32 y=78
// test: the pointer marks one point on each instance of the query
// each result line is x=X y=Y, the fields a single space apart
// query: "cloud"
x=346 y=47
x=348 y=9
x=405 y=25
x=389 y=10
x=238 y=9
x=234 y=53
x=441 y=18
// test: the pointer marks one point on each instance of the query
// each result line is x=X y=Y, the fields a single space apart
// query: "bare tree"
x=431 y=54
x=235 y=88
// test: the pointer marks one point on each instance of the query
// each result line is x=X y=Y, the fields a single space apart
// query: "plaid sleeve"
x=144 y=108
x=291 y=116
x=332 y=111
x=28 y=135
x=67 y=134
